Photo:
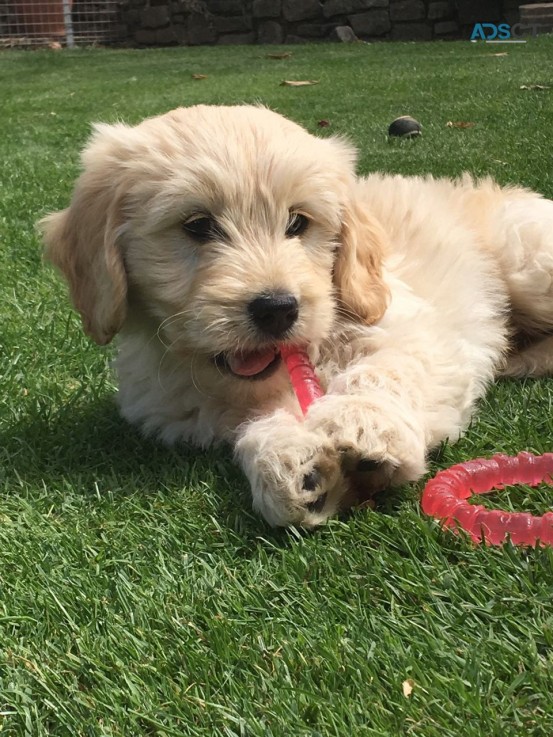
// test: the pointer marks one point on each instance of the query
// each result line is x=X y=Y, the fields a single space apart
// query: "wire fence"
x=55 y=23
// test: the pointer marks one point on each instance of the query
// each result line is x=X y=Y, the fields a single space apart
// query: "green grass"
x=138 y=593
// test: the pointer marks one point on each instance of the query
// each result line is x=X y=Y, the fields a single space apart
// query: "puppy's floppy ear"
x=358 y=277
x=82 y=240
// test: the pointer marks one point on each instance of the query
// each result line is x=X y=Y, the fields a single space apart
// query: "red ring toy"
x=445 y=497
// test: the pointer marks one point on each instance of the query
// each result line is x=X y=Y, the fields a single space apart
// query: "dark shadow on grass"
x=88 y=440
x=73 y=447
x=84 y=439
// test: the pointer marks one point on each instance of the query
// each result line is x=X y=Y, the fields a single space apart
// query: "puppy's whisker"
x=221 y=374
x=163 y=356
x=160 y=337
x=170 y=319
x=167 y=322
x=168 y=350
x=193 y=377
x=177 y=366
x=194 y=314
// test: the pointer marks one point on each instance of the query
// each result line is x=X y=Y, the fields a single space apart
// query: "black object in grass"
x=405 y=127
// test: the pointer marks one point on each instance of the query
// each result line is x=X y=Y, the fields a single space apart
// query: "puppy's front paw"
x=380 y=442
x=296 y=476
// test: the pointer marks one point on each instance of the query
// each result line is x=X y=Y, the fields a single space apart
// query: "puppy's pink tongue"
x=252 y=362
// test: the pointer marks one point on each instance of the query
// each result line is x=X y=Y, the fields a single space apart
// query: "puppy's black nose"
x=274 y=314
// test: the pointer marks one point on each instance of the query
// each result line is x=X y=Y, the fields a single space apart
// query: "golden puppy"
x=208 y=237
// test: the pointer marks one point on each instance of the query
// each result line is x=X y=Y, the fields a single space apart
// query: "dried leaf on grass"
x=408 y=685
x=535 y=87
x=199 y=76
x=283 y=55
x=323 y=123
x=459 y=124
x=298 y=83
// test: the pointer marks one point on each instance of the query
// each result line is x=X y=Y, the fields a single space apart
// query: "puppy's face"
x=228 y=226
x=232 y=247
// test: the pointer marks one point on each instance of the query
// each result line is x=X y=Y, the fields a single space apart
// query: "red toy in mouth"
x=262 y=363
x=302 y=375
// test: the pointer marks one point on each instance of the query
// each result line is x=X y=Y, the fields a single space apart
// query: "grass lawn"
x=138 y=593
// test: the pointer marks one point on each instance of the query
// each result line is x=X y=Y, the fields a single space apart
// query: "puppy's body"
x=405 y=290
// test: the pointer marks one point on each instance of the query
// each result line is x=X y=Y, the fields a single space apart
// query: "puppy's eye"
x=202 y=228
x=297 y=224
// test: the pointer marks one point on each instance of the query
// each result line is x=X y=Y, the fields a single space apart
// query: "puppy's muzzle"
x=274 y=314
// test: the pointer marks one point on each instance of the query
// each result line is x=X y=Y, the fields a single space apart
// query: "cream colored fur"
x=408 y=291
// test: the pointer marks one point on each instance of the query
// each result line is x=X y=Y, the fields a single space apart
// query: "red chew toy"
x=302 y=375
x=445 y=497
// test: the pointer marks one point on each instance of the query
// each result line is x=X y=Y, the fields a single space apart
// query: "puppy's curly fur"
x=209 y=236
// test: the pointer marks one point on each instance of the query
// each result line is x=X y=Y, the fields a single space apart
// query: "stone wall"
x=195 y=22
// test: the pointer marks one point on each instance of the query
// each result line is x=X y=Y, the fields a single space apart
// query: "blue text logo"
x=502 y=32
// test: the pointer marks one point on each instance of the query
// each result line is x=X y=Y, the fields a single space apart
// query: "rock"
x=313 y=30
x=439 y=10
x=332 y=8
x=233 y=24
x=292 y=38
x=470 y=12
x=411 y=32
x=155 y=17
x=270 y=32
x=166 y=36
x=301 y=9
x=407 y=10
x=200 y=31
x=446 y=27
x=344 y=34
x=237 y=39
x=371 y=23
x=145 y=37
x=266 y=8
x=225 y=7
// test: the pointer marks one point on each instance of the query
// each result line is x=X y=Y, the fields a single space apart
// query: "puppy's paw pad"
x=318 y=504
x=368 y=476
x=312 y=480
x=366 y=465
x=314 y=486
